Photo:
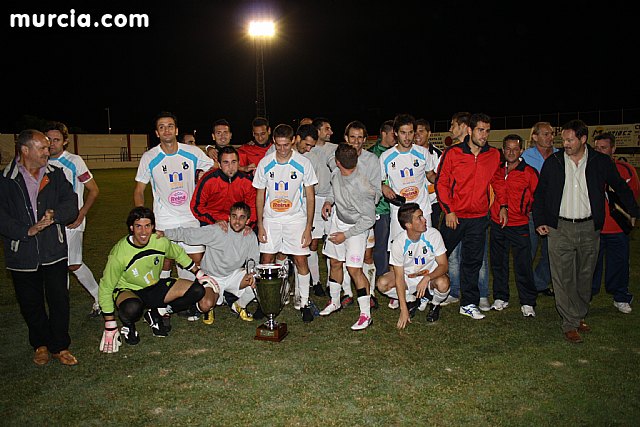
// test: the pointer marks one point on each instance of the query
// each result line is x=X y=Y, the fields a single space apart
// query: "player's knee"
x=130 y=310
x=442 y=283
x=195 y=292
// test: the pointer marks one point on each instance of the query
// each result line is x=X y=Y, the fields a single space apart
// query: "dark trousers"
x=542 y=271
x=436 y=213
x=472 y=233
x=380 y=250
x=515 y=238
x=614 y=256
x=49 y=283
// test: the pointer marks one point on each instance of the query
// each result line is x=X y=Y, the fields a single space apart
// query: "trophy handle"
x=251 y=266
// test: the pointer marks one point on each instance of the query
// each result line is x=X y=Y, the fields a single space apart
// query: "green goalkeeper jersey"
x=133 y=267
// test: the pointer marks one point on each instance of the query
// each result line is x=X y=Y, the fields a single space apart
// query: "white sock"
x=185 y=274
x=86 y=279
x=439 y=297
x=165 y=274
x=314 y=268
x=364 y=303
x=334 y=291
x=304 y=290
x=346 y=281
x=369 y=271
x=246 y=297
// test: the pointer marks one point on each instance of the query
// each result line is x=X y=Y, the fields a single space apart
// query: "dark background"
x=344 y=60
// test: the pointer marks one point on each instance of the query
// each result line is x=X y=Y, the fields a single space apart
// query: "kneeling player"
x=226 y=252
x=419 y=260
x=131 y=282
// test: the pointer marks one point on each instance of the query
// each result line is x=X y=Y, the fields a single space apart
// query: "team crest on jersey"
x=416 y=163
x=156 y=261
x=424 y=250
x=409 y=193
x=294 y=175
x=185 y=165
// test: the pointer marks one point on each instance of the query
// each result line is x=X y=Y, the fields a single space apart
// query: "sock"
x=364 y=303
x=86 y=279
x=165 y=274
x=304 y=290
x=334 y=291
x=185 y=274
x=439 y=297
x=246 y=297
x=346 y=281
x=369 y=271
x=314 y=268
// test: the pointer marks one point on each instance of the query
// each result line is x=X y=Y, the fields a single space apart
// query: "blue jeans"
x=454 y=272
x=614 y=255
x=542 y=271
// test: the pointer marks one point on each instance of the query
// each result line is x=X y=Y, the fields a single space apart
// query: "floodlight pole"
x=261 y=97
x=108 y=119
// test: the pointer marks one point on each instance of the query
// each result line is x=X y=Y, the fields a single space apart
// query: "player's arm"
x=92 y=194
x=138 y=193
x=311 y=209
x=260 y=197
x=401 y=290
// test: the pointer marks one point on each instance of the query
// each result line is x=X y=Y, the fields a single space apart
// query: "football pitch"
x=502 y=370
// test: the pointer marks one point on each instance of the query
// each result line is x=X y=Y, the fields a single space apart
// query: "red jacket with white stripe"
x=521 y=182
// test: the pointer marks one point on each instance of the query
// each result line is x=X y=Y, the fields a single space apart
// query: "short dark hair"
x=283 y=131
x=478 y=117
x=606 y=135
x=307 y=130
x=578 y=126
x=513 y=137
x=26 y=137
x=60 y=127
x=259 y=121
x=347 y=155
x=182 y=136
x=386 y=126
x=403 y=119
x=423 y=122
x=162 y=115
x=242 y=206
x=140 y=212
x=356 y=124
x=319 y=121
x=220 y=122
x=405 y=213
x=228 y=149
x=461 y=117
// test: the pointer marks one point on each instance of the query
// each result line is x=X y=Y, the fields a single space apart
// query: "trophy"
x=272 y=290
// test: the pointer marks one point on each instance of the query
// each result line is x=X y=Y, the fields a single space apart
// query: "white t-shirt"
x=77 y=173
x=419 y=255
x=173 y=178
x=284 y=185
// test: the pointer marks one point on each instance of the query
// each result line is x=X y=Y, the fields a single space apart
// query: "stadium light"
x=260 y=31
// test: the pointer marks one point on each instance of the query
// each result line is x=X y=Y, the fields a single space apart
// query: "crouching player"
x=226 y=252
x=419 y=260
x=354 y=198
x=131 y=282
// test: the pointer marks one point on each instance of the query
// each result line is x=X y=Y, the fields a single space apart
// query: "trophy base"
x=265 y=334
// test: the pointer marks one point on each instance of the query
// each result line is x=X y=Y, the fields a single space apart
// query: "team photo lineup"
x=401 y=224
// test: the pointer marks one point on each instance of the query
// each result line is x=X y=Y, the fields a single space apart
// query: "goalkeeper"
x=131 y=282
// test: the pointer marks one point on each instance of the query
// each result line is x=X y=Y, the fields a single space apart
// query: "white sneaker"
x=528 y=311
x=362 y=323
x=624 y=307
x=484 y=304
x=472 y=311
x=330 y=308
x=393 y=304
x=424 y=302
x=499 y=305
x=297 y=302
x=450 y=300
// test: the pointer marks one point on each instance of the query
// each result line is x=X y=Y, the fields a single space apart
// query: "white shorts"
x=320 y=226
x=197 y=249
x=371 y=238
x=231 y=283
x=284 y=237
x=351 y=251
x=74 y=246
x=412 y=285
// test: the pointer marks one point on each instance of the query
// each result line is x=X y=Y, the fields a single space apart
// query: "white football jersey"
x=77 y=173
x=419 y=255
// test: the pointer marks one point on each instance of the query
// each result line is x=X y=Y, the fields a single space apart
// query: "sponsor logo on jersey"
x=409 y=193
x=281 y=205
x=178 y=197
x=175 y=179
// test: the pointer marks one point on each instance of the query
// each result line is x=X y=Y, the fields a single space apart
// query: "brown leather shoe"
x=66 y=358
x=573 y=337
x=41 y=356
x=584 y=327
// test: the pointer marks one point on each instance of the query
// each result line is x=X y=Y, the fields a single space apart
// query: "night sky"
x=344 y=60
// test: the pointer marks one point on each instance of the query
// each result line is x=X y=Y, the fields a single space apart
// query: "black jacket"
x=600 y=172
x=24 y=253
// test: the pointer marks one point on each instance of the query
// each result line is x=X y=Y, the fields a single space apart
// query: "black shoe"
x=153 y=318
x=307 y=315
x=166 y=321
x=130 y=334
x=413 y=307
x=434 y=313
x=258 y=314
x=548 y=292
x=374 y=303
x=317 y=290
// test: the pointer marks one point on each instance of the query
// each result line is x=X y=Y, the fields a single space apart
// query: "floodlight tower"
x=260 y=32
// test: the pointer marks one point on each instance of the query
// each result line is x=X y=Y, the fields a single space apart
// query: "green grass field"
x=503 y=370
